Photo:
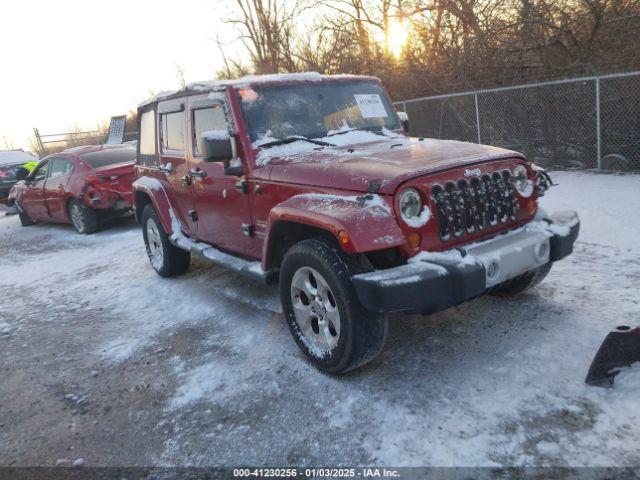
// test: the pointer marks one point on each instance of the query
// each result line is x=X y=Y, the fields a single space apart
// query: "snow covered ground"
x=101 y=359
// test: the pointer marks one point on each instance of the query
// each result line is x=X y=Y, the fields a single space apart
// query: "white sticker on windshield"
x=371 y=106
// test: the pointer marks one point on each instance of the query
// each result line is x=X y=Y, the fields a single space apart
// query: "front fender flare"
x=159 y=199
x=367 y=219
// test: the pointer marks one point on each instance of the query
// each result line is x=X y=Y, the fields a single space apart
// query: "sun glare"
x=398 y=32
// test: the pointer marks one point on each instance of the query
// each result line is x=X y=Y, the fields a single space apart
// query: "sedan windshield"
x=316 y=110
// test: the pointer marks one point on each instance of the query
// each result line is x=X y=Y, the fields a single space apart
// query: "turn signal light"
x=343 y=237
x=414 y=239
x=532 y=205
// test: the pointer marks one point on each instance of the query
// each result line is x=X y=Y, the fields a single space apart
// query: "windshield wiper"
x=284 y=141
x=364 y=129
x=342 y=132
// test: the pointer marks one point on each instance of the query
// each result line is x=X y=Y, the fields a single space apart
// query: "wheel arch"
x=149 y=191
x=303 y=216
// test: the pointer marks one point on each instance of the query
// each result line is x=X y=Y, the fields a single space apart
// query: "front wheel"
x=83 y=218
x=167 y=259
x=328 y=323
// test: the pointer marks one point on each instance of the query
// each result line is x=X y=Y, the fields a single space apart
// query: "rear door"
x=222 y=210
x=59 y=172
x=33 y=198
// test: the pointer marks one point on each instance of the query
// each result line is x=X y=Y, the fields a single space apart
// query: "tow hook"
x=620 y=349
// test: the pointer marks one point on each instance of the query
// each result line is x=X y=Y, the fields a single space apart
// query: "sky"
x=65 y=63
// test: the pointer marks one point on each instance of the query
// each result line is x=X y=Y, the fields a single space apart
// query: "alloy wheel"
x=154 y=244
x=315 y=309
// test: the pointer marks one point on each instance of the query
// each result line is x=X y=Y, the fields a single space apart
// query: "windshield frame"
x=254 y=138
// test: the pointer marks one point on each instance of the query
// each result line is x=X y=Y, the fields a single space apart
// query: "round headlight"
x=521 y=181
x=410 y=204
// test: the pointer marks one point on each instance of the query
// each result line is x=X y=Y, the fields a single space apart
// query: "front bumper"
x=432 y=282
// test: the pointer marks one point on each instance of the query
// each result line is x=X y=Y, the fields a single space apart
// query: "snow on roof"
x=8 y=157
x=208 y=85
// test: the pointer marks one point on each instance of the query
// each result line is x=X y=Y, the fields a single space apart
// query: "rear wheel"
x=524 y=282
x=328 y=323
x=83 y=218
x=167 y=259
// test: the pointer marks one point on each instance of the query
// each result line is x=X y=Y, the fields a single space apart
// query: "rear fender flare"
x=367 y=219
x=153 y=189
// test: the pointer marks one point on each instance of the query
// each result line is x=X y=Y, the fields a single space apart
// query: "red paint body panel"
x=104 y=188
x=275 y=189
x=391 y=165
x=430 y=235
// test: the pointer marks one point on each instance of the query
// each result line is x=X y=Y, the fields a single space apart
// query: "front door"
x=33 y=201
x=55 y=187
x=222 y=210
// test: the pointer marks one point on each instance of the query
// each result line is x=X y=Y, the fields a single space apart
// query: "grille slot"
x=474 y=205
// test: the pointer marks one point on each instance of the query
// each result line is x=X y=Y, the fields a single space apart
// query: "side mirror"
x=22 y=173
x=217 y=146
x=404 y=120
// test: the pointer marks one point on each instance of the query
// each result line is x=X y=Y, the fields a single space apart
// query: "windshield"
x=315 y=110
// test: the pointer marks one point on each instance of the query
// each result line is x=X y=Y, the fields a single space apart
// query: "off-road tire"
x=174 y=261
x=25 y=220
x=362 y=332
x=86 y=221
x=524 y=282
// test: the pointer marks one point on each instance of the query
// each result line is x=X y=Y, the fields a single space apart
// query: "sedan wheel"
x=76 y=217
x=83 y=218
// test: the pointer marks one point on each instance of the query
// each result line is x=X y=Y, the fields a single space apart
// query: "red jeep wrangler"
x=311 y=181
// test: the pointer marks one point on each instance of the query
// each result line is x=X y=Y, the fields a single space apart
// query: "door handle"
x=61 y=187
x=197 y=173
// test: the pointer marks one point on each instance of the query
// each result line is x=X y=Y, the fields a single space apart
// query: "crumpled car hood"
x=388 y=162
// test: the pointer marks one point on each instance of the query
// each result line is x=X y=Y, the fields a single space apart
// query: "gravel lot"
x=102 y=360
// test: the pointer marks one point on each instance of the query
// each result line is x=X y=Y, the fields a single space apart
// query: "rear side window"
x=59 y=167
x=173 y=131
x=206 y=120
x=148 y=133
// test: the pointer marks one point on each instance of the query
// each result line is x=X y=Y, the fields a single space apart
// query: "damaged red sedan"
x=84 y=186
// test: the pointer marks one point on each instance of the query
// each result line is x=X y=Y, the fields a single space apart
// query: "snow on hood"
x=361 y=158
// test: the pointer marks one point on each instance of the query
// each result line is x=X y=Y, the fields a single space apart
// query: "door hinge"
x=242 y=186
x=248 y=230
x=194 y=215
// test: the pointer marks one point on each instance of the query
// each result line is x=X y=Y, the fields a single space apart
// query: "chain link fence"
x=586 y=123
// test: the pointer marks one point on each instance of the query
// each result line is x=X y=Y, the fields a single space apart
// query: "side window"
x=59 y=167
x=148 y=133
x=206 y=120
x=173 y=131
x=40 y=172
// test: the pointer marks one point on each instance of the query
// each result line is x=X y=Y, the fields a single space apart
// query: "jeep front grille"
x=478 y=204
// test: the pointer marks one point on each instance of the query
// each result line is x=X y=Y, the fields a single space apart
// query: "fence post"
x=598 y=126
x=477 y=116
x=39 y=143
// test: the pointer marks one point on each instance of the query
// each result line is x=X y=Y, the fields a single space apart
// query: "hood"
x=388 y=161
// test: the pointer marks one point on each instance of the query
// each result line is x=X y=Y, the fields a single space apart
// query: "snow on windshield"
x=350 y=137
x=316 y=110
